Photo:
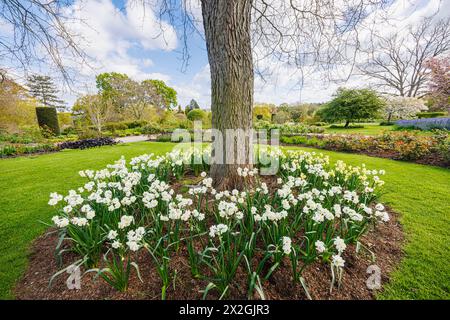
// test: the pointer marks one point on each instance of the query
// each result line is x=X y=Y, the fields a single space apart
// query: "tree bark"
x=228 y=41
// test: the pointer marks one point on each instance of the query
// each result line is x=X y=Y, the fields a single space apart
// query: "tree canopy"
x=351 y=105
x=44 y=90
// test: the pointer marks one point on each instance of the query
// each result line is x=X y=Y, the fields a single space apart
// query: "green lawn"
x=370 y=129
x=419 y=193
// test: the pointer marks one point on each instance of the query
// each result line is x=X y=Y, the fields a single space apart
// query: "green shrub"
x=196 y=115
x=88 y=133
x=135 y=124
x=7 y=151
x=152 y=128
x=115 y=126
x=435 y=114
x=386 y=123
x=48 y=119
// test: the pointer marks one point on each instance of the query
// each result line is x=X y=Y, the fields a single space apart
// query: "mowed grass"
x=370 y=129
x=420 y=193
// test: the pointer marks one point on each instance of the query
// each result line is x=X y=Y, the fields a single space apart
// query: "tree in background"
x=133 y=98
x=16 y=107
x=398 y=107
x=398 y=62
x=263 y=111
x=167 y=95
x=439 y=85
x=351 y=105
x=43 y=89
x=191 y=106
x=196 y=115
x=95 y=109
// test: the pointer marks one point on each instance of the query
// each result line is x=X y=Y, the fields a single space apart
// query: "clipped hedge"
x=435 y=114
x=48 y=119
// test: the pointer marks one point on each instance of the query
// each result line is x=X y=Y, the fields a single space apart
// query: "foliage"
x=191 y=106
x=398 y=107
x=196 y=115
x=434 y=114
x=17 y=109
x=263 y=112
x=132 y=98
x=281 y=117
x=10 y=150
x=43 y=89
x=302 y=140
x=95 y=109
x=126 y=207
x=168 y=94
x=88 y=143
x=351 y=105
x=48 y=119
x=288 y=128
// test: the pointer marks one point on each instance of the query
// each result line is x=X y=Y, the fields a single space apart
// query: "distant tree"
x=402 y=107
x=398 y=62
x=281 y=117
x=111 y=86
x=439 y=84
x=133 y=97
x=262 y=111
x=95 y=109
x=16 y=106
x=351 y=105
x=167 y=95
x=196 y=115
x=43 y=89
x=191 y=106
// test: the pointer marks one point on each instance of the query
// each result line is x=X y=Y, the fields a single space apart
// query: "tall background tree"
x=43 y=89
x=398 y=62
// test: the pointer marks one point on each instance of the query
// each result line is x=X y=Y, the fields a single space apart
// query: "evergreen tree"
x=44 y=90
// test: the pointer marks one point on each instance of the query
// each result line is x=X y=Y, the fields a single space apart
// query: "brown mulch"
x=384 y=241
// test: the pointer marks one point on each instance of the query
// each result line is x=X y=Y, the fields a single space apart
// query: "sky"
x=121 y=37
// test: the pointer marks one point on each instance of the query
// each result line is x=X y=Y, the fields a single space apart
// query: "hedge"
x=48 y=119
x=436 y=114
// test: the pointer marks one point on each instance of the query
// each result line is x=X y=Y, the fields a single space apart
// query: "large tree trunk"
x=227 y=30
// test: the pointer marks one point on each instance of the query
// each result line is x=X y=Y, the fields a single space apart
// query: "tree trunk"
x=227 y=31
x=347 y=122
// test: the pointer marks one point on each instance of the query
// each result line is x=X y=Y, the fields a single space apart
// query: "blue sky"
x=120 y=37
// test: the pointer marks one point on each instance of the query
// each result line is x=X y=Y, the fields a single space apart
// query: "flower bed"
x=235 y=241
x=425 y=124
x=15 y=149
x=406 y=146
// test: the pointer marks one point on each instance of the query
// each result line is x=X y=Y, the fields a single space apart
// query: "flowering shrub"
x=313 y=212
x=402 y=145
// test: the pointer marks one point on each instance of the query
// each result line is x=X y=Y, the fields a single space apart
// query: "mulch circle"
x=385 y=241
